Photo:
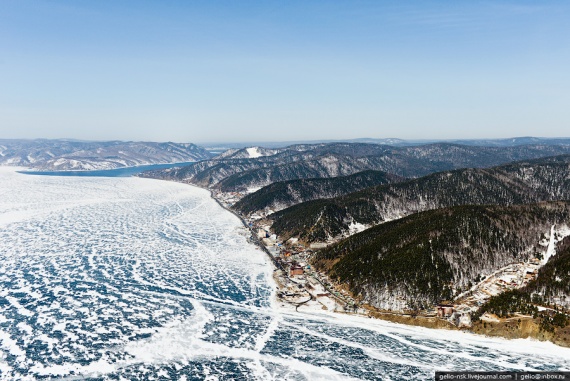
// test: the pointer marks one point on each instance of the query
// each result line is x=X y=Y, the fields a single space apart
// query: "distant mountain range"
x=506 y=142
x=246 y=169
x=57 y=155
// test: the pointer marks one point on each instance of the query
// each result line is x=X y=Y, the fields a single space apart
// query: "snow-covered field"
x=128 y=279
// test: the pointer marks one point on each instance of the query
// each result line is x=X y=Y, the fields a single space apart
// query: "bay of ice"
x=140 y=279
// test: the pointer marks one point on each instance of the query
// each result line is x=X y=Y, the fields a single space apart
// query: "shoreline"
x=278 y=271
x=255 y=241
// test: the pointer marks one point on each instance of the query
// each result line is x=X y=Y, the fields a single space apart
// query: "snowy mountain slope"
x=248 y=153
x=74 y=155
x=416 y=261
x=283 y=194
x=522 y=182
x=342 y=159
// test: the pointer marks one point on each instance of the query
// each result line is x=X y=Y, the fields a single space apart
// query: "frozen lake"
x=129 y=278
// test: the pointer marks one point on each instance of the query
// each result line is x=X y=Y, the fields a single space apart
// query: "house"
x=530 y=275
x=444 y=310
x=296 y=269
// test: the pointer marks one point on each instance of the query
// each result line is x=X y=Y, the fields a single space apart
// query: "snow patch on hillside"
x=356 y=227
x=550 y=248
x=253 y=152
x=557 y=234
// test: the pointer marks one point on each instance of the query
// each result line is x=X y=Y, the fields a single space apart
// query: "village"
x=298 y=283
x=301 y=286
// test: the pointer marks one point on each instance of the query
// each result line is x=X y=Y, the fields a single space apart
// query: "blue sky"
x=204 y=71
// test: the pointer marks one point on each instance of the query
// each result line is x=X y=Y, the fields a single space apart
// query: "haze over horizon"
x=235 y=72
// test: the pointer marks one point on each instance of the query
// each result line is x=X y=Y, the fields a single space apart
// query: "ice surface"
x=128 y=278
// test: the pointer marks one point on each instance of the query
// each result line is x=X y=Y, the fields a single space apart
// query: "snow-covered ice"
x=128 y=279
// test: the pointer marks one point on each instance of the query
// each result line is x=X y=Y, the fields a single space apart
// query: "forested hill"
x=550 y=288
x=522 y=182
x=283 y=194
x=553 y=281
x=418 y=260
x=238 y=171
